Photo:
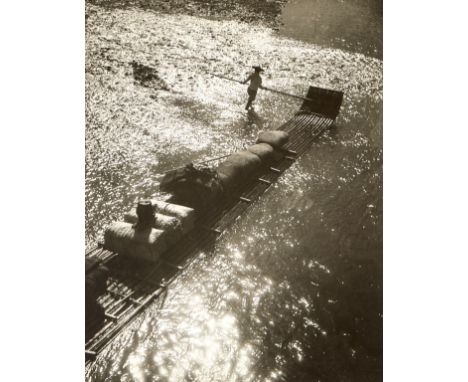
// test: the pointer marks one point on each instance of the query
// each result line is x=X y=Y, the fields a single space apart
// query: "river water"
x=293 y=291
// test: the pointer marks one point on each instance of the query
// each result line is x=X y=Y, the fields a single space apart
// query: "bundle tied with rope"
x=194 y=187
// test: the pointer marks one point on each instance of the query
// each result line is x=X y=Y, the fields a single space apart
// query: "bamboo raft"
x=134 y=285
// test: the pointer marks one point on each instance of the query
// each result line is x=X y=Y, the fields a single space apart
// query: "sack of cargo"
x=265 y=152
x=193 y=187
x=238 y=168
x=169 y=224
x=185 y=215
x=275 y=138
x=148 y=244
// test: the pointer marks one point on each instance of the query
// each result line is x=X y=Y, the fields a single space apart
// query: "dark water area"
x=353 y=25
x=293 y=292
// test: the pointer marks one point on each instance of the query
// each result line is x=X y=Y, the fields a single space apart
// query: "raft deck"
x=134 y=285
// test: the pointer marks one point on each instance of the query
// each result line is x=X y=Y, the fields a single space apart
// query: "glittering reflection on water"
x=282 y=295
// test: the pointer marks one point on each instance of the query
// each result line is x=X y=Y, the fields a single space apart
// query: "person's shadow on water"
x=254 y=121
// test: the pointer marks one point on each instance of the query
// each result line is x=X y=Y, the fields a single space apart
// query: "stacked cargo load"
x=147 y=235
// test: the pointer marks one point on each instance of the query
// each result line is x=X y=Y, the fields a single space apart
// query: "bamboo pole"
x=266 y=88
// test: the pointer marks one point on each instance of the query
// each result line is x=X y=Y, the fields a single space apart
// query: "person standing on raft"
x=255 y=83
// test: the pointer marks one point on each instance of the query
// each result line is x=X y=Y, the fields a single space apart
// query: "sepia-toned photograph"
x=233 y=190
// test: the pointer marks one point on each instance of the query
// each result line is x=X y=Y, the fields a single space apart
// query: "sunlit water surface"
x=293 y=290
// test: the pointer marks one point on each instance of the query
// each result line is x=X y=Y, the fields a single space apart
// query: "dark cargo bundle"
x=192 y=187
x=238 y=168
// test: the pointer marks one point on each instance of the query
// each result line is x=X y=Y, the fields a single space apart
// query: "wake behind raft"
x=142 y=254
